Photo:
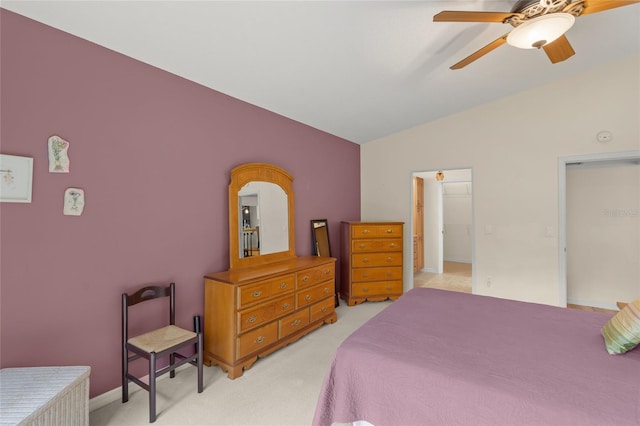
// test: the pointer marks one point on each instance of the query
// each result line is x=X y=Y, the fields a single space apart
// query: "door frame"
x=562 y=206
x=440 y=261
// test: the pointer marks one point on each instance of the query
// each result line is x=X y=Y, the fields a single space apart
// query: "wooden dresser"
x=371 y=261
x=251 y=312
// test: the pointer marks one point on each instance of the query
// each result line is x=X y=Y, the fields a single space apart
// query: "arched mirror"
x=261 y=222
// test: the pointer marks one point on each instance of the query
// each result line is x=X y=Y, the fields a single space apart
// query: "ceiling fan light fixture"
x=540 y=31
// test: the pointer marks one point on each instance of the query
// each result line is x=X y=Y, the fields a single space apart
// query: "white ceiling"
x=360 y=70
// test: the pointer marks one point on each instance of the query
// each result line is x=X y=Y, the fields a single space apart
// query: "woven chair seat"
x=162 y=338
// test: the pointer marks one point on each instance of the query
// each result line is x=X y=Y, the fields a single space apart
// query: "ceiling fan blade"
x=481 y=52
x=559 y=49
x=462 y=16
x=595 y=6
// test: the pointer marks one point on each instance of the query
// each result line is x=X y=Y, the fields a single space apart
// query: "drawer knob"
x=305 y=278
x=365 y=231
x=365 y=275
x=365 y=260
x=365 y=289
x=252 y=319
x=326 y=290
x=256 y=293
x=307 y=297
x=327 y=272
x=389 y=231
x=392 y=245
x=296 y=322
x=324 y=309
x=389 y=259
x=389 y=288
x=259 y=339
x=283 y=285
x=362 y=246
x=285 y=306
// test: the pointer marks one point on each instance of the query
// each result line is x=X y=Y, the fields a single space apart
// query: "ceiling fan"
x=537 y=24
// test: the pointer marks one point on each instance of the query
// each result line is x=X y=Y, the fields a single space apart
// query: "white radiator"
x=44 y=396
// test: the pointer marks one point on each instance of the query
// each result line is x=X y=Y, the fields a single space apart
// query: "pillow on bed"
x=622 y=332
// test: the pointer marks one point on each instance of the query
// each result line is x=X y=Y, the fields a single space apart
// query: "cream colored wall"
x=457 y=220
x=603 y=235
x=512 y=145
x=432 y=211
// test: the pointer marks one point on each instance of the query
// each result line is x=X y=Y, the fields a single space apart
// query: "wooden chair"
x=157 y=344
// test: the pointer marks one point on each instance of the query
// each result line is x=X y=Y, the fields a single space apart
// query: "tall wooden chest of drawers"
x=251 y=312
x=371 y=261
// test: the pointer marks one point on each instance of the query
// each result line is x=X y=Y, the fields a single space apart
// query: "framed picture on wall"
x=16 y=179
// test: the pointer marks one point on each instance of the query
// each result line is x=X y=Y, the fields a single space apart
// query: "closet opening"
x=442 y=230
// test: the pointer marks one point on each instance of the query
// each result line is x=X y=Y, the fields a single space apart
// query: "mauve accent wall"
x=153 y=153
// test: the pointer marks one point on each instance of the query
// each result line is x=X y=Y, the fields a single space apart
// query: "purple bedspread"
x=442 y=358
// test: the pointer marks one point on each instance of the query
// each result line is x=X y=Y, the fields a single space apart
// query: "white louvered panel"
x=44 y=396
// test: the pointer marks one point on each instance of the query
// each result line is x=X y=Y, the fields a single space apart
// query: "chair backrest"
x=146 y=294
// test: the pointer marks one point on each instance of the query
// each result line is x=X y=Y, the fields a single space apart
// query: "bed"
x=435 y=357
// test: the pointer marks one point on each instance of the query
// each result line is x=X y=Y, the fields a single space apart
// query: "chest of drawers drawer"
x=377 y=288
x=256 y=340
x=385 y=245
x=311 y=295
x=377 y=274
x=377 y=259
x=254 y=317
x=293 y=323
x=316 y=275
x=263 y=290
x=322 y=309
x=376 y=231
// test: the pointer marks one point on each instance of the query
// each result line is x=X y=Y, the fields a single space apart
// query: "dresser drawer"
x=255 y=340
x=364 y=230
x=379 y=287
x=292 y=323
x=377 y=259
x=254 y=293
x=255 y=317
x=377 y=274
x=313 y=294
x=322 y=309
x=316 y=275
x=381 y=244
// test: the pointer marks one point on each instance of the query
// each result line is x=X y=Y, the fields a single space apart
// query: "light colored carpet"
x=280 y=389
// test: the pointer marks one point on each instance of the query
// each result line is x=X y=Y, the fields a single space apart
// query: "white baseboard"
x=601 y=305
x=110 y=396
x=430 y=270
x=113 y=395
x=458 y=260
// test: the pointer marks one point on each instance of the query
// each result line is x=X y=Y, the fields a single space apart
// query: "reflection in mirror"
x=250 y=226
x=264 y=222
x=320 y=237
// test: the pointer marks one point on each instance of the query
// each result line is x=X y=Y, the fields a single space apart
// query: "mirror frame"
x=261 y=172
x=315 y=225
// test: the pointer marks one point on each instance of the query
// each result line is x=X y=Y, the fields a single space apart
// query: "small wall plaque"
x=73 y=201
x=58 y=155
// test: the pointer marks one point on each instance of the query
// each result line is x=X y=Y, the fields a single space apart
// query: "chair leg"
x=125 y=372
x=199 y=362
x=152 y=387
x=172 y=360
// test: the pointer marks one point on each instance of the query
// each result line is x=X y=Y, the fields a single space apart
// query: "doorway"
x=446 y=246
x=598 y=228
